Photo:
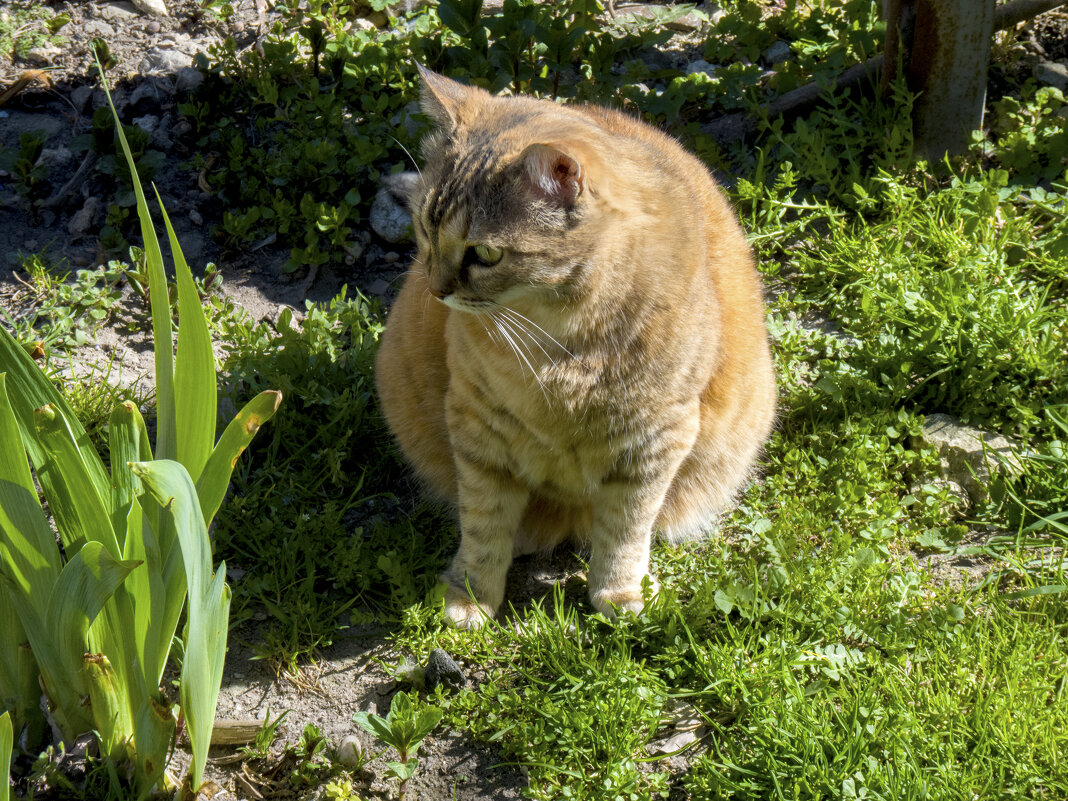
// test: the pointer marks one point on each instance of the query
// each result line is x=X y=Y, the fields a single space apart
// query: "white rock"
x=969 y=457
x=350 y=752
x=1052 y=73
x=154 y=7
x=54 y=157
x=700 y=65
x=86 y=217
x=43 y=56
x=120 y=10
x=147 y=123
x=165 y=60
x=390 y=218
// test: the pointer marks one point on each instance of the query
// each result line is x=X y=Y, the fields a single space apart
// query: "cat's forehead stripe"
x=468 y=171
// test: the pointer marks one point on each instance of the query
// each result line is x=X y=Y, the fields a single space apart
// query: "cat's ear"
x=440 y=98
x=554 y=174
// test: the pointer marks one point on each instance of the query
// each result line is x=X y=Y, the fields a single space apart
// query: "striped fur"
x=608 y=377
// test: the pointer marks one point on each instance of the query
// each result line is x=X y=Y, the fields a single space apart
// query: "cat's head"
x=509 y=196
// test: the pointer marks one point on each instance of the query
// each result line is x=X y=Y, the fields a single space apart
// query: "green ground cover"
x=820 y=657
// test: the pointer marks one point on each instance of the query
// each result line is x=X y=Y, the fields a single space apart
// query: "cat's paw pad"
x=464 y=613
x=609 y=601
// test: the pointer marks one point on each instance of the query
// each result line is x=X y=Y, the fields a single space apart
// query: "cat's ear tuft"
x=440 y=98
x=553 y=174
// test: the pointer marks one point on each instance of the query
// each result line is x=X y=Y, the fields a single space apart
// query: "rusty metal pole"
x=947 y=66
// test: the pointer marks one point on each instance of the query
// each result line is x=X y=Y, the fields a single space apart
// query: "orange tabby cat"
x=580 y=349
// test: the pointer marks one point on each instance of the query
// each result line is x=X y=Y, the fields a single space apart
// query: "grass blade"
x=213 y=481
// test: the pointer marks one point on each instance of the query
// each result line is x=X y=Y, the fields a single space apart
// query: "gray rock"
x=970 y=457
x=87 y=218
x=97 y=27
x=81 y=97
x=442 y=669
x=676 y=741
x=152 y=26
x=42 y=56
x=147 y=123
x=777 y=53
x=54 y=157
x=119 y=11
x=161 y=137
x=390 y=218
x=700 y=65
x=188 y=79
x=145 y=96
x=164 y=60
x=715 y=13
x=1052 y=73
x=196 y=218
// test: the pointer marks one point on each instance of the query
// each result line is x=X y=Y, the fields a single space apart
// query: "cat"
x=579 y=350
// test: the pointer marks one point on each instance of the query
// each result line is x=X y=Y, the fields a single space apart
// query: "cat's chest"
x=553 y=425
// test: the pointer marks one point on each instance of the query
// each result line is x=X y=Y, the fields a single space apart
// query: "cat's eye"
x=488 y=255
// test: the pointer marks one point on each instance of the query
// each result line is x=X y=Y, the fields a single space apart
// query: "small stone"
x=350 y=751
x=237 y=26
x=155 y=7
x=145 y=95
x=970 y=457
x=146 y=123
x=43 y=56
x=86 y=217
x=700 y=65
x=119 y=11
x=152 y=27
x=195 y=217
x=361 y=24
x=188 y=79
x=1052 y=73
x=164 y=60
x=391 y=257
x=441 y=669
x=81 y=97
x=97 y=27
x=379 y=288
x=777 y=53
x=390 y=219
x=715 y=13
x=676 y=741
x=54 y=157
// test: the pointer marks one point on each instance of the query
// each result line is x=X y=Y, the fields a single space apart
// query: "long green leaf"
x=166 y=433
x=195 y=393
x=208 y=601
x=215 y=478
x=29 y=389
x=127 y=442
x=7 y=743
x=80 y=506
x=28 y=553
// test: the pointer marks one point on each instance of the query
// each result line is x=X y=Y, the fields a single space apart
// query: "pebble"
x=188 y=79
x=777 y=53
x=350 y=751
x=700 y=65
x=380 y=287
x=195 y=217
x=161 y=59
x=86 y=217
x=237 y=26
x=81 y=97
x=97 y=27
x=54 y=157
x=118 y=11
x=441 y=669
x=145 y=95
x=153 y=26
x=390 y=219
x=147 y=123
x=391 y=257
x=1052 y=73
x=42 y=56
x=156 y=7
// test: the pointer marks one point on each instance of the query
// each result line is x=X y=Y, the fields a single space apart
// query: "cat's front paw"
x=463 y=612
x=609 y=600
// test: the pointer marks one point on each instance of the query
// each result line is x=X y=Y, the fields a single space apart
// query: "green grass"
x=823 y=660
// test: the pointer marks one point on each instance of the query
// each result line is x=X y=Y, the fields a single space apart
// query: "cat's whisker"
x=520 y=328
x=409 y=155
x=526 y=319
x=503 y=328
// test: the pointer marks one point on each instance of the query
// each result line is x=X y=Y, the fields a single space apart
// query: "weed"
x=26 y=26
x=404 y=728
x=265 y=737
